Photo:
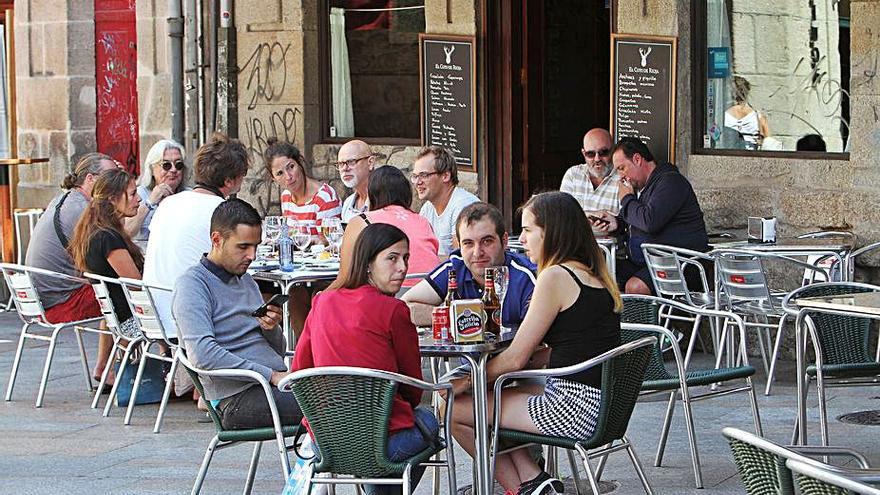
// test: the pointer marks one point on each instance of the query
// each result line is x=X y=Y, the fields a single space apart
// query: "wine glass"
x=501 y=277
x=302 y=237
x=272 y=230
x=335 y=239
x=328 y=225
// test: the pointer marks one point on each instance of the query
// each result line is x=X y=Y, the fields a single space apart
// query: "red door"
x=116 y=81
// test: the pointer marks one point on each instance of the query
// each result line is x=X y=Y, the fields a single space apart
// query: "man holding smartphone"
x=594 y=183
x=223 y=324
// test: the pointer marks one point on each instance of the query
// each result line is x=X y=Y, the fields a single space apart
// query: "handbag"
x=152 y=383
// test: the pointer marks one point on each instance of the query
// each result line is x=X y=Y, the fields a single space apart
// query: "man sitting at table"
x=212 y=304
x=594 y=183
x=483 y=240
x=665 y=211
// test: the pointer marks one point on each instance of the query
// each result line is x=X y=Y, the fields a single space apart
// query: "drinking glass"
x=335 y=239
x=302 y=237
x=272 y=230
x=328 y=225
x=501 y=277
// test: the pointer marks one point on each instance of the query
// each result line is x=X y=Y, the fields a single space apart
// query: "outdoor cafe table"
x=792 y=246
x=864 y=305
x=476 y=355
x=286 y=280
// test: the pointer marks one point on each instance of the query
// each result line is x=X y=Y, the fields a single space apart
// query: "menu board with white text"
x=643 y=91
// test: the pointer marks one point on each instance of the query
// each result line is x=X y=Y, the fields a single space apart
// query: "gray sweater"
x=212 y=308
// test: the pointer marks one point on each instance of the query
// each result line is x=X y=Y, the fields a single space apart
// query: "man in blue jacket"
x=657 y=205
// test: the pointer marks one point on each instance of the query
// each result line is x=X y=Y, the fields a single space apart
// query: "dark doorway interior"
x=549 y=83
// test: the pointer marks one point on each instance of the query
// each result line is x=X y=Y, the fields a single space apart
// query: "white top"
x=444 y=225
x=749 y=126
x=349 y=210
x=180 y=233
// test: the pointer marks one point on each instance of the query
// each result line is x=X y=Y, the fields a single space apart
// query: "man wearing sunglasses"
x=594 y=183
x=355 y=162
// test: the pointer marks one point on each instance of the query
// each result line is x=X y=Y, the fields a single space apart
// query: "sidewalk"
x=66 y=447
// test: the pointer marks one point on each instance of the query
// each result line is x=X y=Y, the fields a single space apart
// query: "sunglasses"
x=604 y=152
x=166 y=165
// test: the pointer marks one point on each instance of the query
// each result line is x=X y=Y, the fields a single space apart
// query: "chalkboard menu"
x=643 y=94
x=448 y=95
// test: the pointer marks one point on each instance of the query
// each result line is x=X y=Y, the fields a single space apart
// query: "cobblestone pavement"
x=66 y=447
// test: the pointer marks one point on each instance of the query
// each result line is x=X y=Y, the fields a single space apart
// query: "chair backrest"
x=24 y=293
x=813 y=479
x=666 y=272
x=143 y=308
x=348 y=413
x=842 y=339
x=644 y=311
x=761 y=463
x=102 y=294
x=622 y=378
x=742 y=276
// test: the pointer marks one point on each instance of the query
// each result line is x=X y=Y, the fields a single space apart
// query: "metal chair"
x=622 y=370
x=348 y=411
x=32 y=215
x=121 y=342
x=850 y=262
x=831 y=264
x=812 y=479
x=840 y=342
x=140 y=299
x=33 y=316
x=227 y=438
x=643 y=311
x=762 y=464
x=744 y=282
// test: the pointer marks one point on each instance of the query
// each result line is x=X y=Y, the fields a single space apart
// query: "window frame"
x=325 y=90
x=699 y=47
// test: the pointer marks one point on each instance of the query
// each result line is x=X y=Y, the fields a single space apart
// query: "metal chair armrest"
x=851 y=479
x=40 y=271
x=285 y=383
x=832 y=450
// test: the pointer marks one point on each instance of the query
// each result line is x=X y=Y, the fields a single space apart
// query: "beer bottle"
x=452 y=289
x=491 y=304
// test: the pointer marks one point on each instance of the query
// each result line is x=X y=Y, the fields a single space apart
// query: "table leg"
x=482 y=481
x=801 y=385
x=285 y=318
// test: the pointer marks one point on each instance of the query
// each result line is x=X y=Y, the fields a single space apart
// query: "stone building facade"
x=279 y=86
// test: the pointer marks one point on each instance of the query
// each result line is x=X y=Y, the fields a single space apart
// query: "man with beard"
x=355 y=161
x=594 y=183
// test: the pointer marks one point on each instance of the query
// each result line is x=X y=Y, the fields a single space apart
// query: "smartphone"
x=594 y=218
x=277 y=300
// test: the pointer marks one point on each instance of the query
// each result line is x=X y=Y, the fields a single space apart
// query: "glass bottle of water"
x=285 y=248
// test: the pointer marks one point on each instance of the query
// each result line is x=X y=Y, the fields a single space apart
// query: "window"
x=371 y=57
x=775 y=75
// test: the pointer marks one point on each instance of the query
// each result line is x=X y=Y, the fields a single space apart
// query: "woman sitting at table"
x=101 y=245
x=161 y=176
x=574 y=311
x=302 y=198
x=357 y=321
x=390 y=196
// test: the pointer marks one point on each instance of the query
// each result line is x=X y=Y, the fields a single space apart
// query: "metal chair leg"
x=591 y=477
x=137 y=385
x=166 y=394
x=252 y=468
x=823 y=408
x=203 y=470
x=664 y=433
x=106 y=372
x=638 y=466
x=695 y=455
x=84 y=358
x=15 y=362
x=575 y=474
x=756 y=415
x=122 y=365
x=775 y=356
x=53 y=341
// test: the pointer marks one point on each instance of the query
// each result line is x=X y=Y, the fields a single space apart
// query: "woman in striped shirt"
x=302 y=197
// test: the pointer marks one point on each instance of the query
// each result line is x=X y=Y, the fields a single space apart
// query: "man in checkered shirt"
x=594 y=183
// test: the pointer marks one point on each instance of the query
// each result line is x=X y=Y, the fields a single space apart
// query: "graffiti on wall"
x=116 y=82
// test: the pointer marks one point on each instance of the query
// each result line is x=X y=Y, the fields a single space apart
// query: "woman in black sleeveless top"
x=575 y=311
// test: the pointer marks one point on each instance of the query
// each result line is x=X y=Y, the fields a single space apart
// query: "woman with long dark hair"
x=575 y=311
x=100 y=243
x=359 y=322
x=390 y=197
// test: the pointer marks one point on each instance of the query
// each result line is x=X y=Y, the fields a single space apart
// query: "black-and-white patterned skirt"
x=566 y=409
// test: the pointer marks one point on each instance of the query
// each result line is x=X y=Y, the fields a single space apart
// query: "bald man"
x=355 y=162
x=594 y=183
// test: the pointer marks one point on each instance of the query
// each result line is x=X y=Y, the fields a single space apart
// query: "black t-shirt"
x=101 y=245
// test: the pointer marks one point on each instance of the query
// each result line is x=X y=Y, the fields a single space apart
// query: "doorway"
x=549 y=83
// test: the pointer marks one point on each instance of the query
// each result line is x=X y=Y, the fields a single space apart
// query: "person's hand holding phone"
x=604 y=221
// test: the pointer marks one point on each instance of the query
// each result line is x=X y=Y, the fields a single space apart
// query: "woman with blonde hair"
x=163 y=174
x=100 y=243
x=575 y=311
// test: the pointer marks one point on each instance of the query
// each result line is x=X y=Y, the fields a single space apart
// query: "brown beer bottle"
x=491 y=305
x=451 y=289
